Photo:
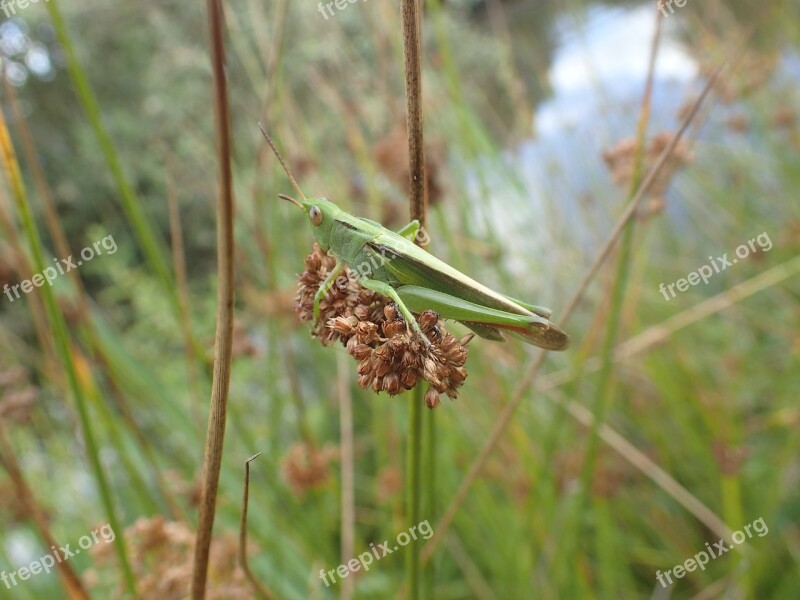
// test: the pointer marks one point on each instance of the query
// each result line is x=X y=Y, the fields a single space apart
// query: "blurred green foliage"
x=713 y=403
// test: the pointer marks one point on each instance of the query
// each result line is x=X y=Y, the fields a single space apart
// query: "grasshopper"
x=414 y=279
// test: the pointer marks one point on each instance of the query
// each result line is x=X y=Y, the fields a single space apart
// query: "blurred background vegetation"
x=531 y=113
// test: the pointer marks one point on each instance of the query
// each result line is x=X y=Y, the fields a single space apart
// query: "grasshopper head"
x=321 y=213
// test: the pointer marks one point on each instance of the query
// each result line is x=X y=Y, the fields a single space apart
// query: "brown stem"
x=413 y=69
x=223 y=344
x=260 y=589
x=412 y=52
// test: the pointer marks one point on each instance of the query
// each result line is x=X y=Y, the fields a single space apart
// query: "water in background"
x=596 y=75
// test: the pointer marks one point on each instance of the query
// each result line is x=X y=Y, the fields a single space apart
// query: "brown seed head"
x=391 y=357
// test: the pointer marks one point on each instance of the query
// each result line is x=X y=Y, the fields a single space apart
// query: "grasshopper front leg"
x=326 y=285
x=385 y=289
x=410 y=231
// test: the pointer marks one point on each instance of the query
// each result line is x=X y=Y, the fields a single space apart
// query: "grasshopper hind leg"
x=542 y=311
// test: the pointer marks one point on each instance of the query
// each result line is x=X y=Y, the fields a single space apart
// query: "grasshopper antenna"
x=290 y=199
x=283 y=164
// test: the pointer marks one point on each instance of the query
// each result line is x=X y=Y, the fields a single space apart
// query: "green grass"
x=706 y=418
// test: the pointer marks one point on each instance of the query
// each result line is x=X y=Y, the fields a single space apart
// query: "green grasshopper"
x=416 y=280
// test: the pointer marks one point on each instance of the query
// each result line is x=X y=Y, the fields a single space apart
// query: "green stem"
x=603 y=396
x=430 y=491
x=414 y=487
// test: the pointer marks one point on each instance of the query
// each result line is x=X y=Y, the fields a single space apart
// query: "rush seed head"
x=391 y=357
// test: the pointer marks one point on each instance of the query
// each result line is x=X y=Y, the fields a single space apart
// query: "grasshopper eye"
x=315 y=215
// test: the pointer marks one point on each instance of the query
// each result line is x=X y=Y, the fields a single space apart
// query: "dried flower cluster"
x=306 y=468
x=621 y=161
x=391 y=156
x=729 y=458
x=392 y=358
x=389 y=485
x=613 y=474
x=161 y=552
x=753 y=70
x=784 y=117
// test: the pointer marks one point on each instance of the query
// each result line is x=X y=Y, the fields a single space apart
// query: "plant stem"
x=430 y=491
x=414 y=478
x=257 y=585
x=413 y=71
x=605 y=384
x=417 y=203
x=223 y=344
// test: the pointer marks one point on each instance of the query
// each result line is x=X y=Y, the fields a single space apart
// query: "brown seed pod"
x=432 y=398
x=391 y=356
